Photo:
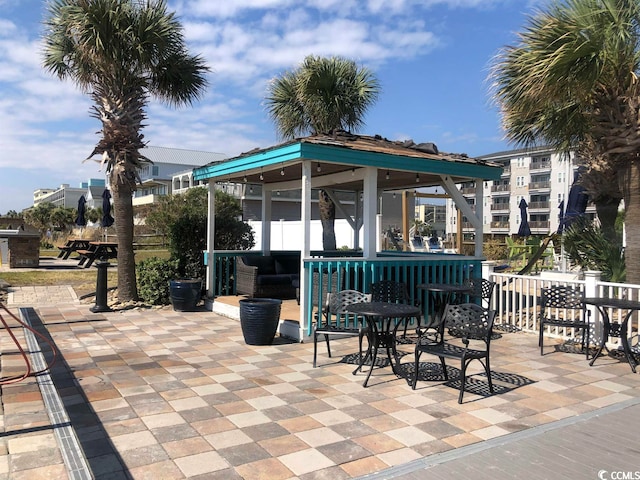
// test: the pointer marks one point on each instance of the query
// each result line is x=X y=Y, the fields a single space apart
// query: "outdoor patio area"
x=156 y=394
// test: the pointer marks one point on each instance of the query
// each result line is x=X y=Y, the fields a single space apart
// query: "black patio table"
x=615 y=329
x=381 y=318
x=441 y=295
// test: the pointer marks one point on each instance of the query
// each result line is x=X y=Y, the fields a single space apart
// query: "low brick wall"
x=24 y=251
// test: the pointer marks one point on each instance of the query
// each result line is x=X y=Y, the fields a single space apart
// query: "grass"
x=82 y=281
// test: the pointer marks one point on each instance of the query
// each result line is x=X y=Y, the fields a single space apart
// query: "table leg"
x=625 y=342
x=606 y=330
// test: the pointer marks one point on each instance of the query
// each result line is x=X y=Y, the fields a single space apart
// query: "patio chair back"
x=563 y=306
x=471 y=327
x=334 y=320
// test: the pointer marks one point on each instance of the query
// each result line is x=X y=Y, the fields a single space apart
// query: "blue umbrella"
x=561 y=216
x=577 y=201
x=80 y=220
x=107 y=219
x=524 y=230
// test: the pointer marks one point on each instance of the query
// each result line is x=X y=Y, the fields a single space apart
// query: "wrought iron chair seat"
x=335 y=320
x=449 y=350
x=567 y=301
x=471 y=325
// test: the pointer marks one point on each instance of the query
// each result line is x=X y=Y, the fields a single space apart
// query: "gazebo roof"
x=336 y=157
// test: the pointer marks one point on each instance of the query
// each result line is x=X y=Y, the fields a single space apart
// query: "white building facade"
x=540 y=176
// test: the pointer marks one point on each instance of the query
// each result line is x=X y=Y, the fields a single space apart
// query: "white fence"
x=516 y=299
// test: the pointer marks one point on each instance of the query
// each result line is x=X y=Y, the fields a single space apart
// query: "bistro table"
x=615 y=329
x=380 y=318
x=441 y=296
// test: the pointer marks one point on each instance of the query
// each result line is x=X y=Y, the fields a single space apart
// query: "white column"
x=305 y=217
x=369 y=210
x=591 y=279
x=266 y=221
x=479 y=214
x=211 y=235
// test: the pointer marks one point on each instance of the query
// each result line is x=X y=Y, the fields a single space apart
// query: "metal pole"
x=101 y=288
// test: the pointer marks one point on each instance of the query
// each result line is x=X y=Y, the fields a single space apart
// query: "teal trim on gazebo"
x=298 y=151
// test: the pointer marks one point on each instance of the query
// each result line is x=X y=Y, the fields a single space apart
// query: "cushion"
x=273 y=280
x=288 y=264
x=265 y=264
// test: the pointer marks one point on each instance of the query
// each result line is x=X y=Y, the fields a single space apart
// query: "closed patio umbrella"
x=560 y=217
x=524 y=230
x=81 y=221
x=577 y=201
x=107 y=219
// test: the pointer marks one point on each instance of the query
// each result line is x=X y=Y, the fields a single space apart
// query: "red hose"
x=54 y=350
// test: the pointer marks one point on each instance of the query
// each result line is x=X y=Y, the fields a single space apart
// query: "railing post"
x=591 y=279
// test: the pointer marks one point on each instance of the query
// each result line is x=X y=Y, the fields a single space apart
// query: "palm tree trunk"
x=327 y=218
x=630 y=186
x=123 y=216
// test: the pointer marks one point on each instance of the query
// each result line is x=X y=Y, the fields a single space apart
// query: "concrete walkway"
x=160 y=394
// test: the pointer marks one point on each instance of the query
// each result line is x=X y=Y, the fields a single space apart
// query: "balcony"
x=500 y=225
x=501 y=189
x=499 y=206
x=468 y=190
x=539 y=205
x=506 y=171
x=544 y=165
x=540 y=225
x=540 y=185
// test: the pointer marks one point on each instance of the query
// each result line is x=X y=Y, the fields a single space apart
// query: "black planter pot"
x=185 y=294
x=259 y=319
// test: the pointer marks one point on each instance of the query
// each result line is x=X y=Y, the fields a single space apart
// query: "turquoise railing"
x=345 y=270
x=359 y=274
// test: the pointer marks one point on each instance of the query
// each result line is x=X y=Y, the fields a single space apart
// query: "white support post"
x=266 y=221
x=305 y=216
x=479 y=214
x=591 y=279
x=211 y=235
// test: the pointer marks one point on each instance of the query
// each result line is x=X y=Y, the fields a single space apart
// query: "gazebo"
x=366 y=166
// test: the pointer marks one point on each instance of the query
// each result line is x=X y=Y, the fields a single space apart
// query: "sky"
x=431 y=57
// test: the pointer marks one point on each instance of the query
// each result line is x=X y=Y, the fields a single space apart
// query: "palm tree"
x=571 y=81
x=122 y=52
x=323 y=95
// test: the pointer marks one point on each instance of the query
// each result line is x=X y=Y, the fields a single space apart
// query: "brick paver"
x=162 y=394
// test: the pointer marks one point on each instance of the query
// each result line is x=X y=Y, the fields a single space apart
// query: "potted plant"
x=186 y=243
x=259 y=318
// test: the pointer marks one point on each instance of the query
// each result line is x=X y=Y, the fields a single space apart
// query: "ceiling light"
x=282 y=171
x=387 y=176
x=417 y=177
x=319 y=167
x=261 y=176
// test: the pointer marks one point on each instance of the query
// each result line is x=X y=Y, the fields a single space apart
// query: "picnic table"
x=72 y=245
x=97 y=250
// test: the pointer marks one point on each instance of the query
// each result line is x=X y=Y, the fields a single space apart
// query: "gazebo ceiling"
x=338 y=160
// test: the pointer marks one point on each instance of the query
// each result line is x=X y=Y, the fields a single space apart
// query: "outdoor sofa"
x=268 y=276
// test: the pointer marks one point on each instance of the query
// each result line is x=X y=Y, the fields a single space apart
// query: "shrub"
x=153 y=275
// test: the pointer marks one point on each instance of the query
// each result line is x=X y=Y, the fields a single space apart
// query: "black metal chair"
x=334 y=320
x=390 y=291
x=563 y=306
x=471 y=328
x=482 y=289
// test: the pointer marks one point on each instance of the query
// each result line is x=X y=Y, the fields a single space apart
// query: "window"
x=561 y=177
x=155 y=170
x=519 y=181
